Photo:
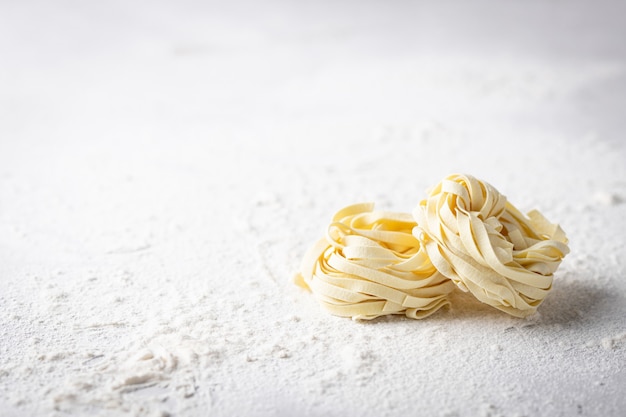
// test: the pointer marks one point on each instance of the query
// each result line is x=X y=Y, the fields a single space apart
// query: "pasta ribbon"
x=369 y=264
x=486 y=246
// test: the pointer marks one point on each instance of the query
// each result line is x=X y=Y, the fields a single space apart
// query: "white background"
x=165 y=165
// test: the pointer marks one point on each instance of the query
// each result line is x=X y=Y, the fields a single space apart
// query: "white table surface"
x=164 y=166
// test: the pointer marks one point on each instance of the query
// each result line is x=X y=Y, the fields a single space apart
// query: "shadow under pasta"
x=571 y=301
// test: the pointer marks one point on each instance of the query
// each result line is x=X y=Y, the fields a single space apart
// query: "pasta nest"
x=370 y=264
x=488 y=247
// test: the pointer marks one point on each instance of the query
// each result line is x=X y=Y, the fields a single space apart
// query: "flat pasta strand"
x=370 y=265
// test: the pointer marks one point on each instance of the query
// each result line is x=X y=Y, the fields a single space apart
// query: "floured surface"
x=164 y=168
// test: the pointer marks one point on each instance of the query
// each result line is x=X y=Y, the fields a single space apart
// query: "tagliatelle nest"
x=486 y=246
x=370 y=265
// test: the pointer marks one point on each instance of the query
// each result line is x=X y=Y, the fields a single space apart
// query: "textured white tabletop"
x=165 y=165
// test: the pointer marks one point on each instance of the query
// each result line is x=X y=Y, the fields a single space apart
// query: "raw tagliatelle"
x=370 y=265
x=486 y=246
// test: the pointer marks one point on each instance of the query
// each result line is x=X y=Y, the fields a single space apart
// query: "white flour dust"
x=160 y=183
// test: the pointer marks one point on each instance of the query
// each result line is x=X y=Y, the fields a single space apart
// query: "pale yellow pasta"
x=486 y=246
x=369 y=264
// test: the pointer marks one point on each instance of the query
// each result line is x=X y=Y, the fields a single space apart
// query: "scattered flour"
x=160 y=182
